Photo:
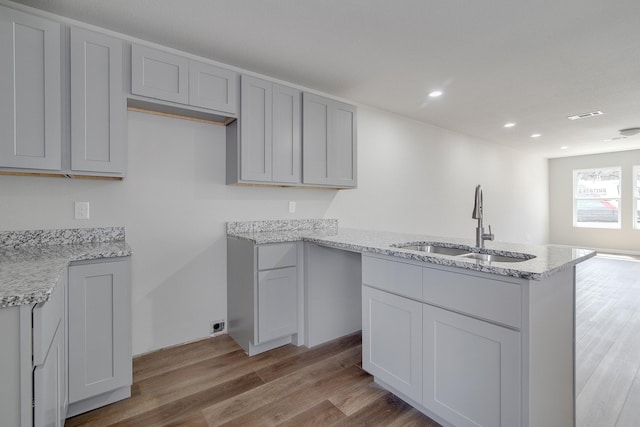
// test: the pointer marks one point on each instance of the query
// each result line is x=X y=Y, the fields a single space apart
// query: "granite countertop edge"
x=549 y=259
x=29 y=275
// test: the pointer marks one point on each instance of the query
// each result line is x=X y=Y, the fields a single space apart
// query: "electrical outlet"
x=216 y=327
x=81 y=210
x=292 y=207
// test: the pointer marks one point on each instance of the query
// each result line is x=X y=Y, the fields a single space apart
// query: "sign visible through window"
x=596 y=198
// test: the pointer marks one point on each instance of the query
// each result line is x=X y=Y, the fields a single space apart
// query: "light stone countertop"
x=32 y=262
x=548 y=258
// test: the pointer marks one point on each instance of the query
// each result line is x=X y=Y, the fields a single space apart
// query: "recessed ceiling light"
x=564 y=147
x=585 y=115
x=536 y=135
x=435 y=93
x=509 y=125
x=629 y=131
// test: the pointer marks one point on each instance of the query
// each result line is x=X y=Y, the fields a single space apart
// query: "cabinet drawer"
x=47 y=316
x=396 y=277
x=277 y=256
x=493 y=300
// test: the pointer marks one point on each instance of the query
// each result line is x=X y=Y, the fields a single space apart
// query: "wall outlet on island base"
x=216 y=327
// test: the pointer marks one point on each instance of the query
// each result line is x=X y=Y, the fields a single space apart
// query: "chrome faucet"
x=481 y=236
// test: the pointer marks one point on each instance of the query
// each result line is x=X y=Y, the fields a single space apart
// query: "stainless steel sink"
x=435 y=249
x=495 y=258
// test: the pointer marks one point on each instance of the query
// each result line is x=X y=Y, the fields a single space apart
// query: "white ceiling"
x=531 y=62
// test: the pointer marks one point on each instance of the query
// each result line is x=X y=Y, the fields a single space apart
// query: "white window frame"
x=636 y=197
x=611 y=225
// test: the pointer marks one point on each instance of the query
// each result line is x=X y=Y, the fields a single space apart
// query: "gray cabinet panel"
x=97 y=103
x=471 y=370
x=277 y=304
x=160 y=75
x=392 y=340
x=329 y=142
x=30 y=92
x=49 y=384
x=213 y=87
x=255 y=129
x=99 y=328
x=286 y=134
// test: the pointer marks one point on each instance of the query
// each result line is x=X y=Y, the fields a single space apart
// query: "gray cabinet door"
x=286 y=140
x=99 y=328
x=160 y=75
x=392 y=340
x=213 y=87
x=256 y=129
x=471 y=370
x=329 y=142
x=30 y=92
x=277 y=304
x=97 y=103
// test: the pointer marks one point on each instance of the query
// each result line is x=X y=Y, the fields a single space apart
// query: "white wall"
x=174 y=204
x=561 y=227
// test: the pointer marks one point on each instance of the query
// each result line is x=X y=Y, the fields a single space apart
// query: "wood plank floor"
x=608 y=342
x=213 y=383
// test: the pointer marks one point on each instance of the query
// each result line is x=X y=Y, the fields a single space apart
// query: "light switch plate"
x=292 y=207
x=81 y=210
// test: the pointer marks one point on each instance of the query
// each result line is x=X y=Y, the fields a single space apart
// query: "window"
x=596 y=198
x=636 y=197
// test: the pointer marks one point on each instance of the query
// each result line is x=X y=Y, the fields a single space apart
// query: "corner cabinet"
x=30 y=92
x=264 y=144
x=262 y=294
x=98 y=108
x=329 y=142
x=100 y=369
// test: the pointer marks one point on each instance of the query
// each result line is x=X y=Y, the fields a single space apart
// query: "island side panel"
x=333 y=294
x=551 y=344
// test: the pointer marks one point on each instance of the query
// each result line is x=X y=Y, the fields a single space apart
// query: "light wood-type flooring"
x=213 y=383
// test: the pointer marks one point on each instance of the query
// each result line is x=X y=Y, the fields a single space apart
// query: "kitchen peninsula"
x=464 y=340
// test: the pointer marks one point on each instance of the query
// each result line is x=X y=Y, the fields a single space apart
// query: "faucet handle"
x=489 y=235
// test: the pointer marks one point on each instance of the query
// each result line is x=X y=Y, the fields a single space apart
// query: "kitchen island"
x=466 y=341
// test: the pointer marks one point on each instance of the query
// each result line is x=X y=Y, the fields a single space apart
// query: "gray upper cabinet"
x=30 y=92
x=213 y=87
x=168 y=77
x=329 y=142
x=256 y=131
x=264 y=145
x=159 y=74
x=98 y=108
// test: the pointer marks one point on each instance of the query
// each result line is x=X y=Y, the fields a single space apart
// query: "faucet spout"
x=478 y=208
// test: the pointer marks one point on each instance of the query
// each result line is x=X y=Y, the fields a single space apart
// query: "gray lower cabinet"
x=471 y=369
x=392 y=340
x=264 y=144
x=329 y=142
x=30 y=92
x=100 y=370
x=262 y=294
x=470 y=348
x=174 y=78
x=98 y=107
